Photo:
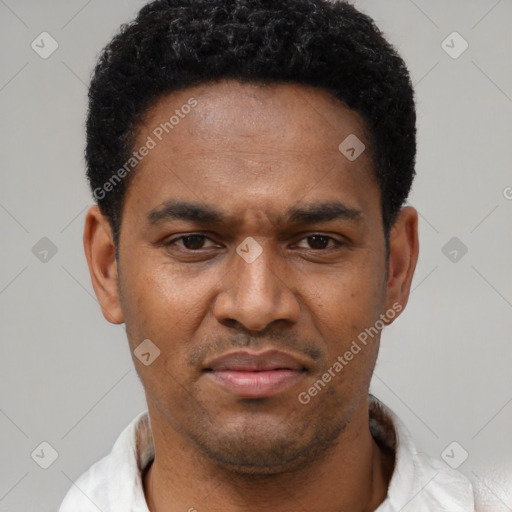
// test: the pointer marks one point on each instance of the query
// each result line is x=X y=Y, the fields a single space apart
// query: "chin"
x=267 y=449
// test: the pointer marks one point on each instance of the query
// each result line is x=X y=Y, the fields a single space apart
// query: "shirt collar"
x=416 y=477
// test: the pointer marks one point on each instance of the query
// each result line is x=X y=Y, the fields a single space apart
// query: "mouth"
x=256 y=375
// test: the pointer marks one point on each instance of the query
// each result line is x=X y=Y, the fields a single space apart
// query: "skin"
x=255 y=151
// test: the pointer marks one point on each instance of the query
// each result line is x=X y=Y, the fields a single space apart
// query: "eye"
x=319 y=241
x=192 y=242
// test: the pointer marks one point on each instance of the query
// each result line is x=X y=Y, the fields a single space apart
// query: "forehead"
x=250 y=146
x=229 y=111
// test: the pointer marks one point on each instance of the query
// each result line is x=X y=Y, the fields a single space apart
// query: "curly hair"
x=177 y=44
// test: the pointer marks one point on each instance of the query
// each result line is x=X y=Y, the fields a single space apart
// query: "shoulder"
x=420 y=482
x=441 y=487
x=90 y=492
x=116 y=478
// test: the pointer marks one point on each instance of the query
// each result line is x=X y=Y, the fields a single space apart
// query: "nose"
x=257 y=293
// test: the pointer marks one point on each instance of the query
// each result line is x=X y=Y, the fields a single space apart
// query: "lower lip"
x=261 y=384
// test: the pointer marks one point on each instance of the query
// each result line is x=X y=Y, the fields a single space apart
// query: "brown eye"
x=320 y=242
x=193 y=242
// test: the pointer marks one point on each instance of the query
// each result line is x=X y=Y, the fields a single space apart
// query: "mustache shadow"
x=215 y=346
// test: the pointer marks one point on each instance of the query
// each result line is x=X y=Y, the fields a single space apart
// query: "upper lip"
x=243 y=360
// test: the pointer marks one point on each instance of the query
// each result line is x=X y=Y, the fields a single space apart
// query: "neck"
x=352 y=476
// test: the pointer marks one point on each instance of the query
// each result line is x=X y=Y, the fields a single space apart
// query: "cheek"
x=164 y=309
x=161 y=295
x=345 y=313
x=167 y=306
x=349 y=299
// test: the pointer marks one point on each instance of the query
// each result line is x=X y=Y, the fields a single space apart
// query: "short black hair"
x=177 y=44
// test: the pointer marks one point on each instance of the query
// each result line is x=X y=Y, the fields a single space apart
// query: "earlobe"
x=100 y=253
x=403 y=256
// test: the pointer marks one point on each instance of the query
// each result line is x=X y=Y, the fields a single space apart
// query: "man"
x=251 y=160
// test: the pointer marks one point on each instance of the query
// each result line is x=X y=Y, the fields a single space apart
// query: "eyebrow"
x=306 y=214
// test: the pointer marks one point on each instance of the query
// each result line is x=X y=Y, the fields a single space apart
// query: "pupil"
x=198 y=241
x=316 y=238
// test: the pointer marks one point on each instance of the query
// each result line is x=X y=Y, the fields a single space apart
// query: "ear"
x=100 y=253
x=403 y=256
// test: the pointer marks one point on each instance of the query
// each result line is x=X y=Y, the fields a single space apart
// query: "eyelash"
x=337 y=243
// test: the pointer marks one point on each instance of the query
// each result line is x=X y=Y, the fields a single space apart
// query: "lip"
x=256 y=375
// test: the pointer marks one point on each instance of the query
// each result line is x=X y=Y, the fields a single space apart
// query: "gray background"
x=444 y=367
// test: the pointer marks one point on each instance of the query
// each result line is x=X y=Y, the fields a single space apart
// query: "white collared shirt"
x=419 y=482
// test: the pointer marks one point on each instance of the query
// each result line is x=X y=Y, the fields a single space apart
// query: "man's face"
x=298 y=289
